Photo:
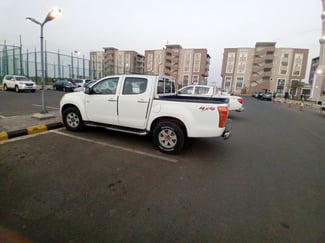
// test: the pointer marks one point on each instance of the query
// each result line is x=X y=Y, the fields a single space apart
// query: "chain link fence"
x=16 y=61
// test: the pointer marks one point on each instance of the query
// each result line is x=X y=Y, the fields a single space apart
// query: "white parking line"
x=117 y=147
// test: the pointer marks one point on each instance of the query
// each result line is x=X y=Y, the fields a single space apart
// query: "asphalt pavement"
x=21 y=125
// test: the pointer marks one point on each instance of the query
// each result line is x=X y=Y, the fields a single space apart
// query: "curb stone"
x=29 y=130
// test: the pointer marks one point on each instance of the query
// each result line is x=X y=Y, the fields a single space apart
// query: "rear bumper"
x=240 y=109
x=228 y=129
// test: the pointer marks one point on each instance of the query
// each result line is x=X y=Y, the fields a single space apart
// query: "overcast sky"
x=151 y=24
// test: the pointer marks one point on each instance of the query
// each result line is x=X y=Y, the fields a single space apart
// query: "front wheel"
x=17 y=89
x=72 y=119
x=169 y=137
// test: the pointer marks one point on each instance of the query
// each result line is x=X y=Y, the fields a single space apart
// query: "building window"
x=197 y=62
x=195 y=79
x=239 y=83
x=280 y=86
x=227 y=83
x=241 y=68
x=297 y=65
x=230 y=62
x=187 y=62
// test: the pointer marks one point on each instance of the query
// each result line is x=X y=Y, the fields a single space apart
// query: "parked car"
x=83 y=87
x=235 y=102
x=81 y=82
x=259 y=94
x=18 y=83
x=64 y=85
x=266 y=96
x=146 y=105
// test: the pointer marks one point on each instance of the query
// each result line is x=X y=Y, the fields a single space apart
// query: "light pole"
x=54 y=13
x=319 y=75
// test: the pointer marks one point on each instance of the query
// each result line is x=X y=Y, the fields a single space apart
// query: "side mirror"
x=87 y=90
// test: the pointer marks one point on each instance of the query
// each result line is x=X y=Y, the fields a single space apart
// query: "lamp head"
x=53 y=14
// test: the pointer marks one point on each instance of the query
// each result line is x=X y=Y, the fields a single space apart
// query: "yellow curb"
x=3 y=136
x=36 y=129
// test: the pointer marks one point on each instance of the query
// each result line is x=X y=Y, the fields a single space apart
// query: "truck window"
x=134 y=85
x=202 y=90
x=165 y=86
x=106 y=86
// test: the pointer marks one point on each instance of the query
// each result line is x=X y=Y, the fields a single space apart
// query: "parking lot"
x=264 y=184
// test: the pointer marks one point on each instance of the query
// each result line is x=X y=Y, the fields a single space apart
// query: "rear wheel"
x=72 y=119
x=169 y=137
x=5 y=87
x=17 y=88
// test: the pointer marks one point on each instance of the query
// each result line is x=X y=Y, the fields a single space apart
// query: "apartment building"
x=96 y=64
x=187 y=66
x=112 y=61
x=122 y=62
x=265 y=67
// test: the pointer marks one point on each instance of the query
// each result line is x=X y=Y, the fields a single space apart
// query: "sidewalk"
x=14 y=126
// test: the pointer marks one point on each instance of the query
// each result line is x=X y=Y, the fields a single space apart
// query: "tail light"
x=240 y=100
x=223 y=115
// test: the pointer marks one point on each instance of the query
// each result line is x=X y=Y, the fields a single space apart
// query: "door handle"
x=142 y=101
x=111 y=100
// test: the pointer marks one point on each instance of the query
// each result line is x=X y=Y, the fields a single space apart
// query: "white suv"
x=18 y=83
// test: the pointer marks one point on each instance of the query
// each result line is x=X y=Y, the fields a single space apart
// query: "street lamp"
x=54 y=13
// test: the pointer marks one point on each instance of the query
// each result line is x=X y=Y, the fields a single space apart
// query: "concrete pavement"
x=15 y=126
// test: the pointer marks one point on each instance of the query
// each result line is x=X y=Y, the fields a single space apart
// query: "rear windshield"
x=165 y=86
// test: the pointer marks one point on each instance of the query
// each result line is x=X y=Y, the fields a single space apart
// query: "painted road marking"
x=117 y=147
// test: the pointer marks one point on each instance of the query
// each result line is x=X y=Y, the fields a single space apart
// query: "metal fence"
x=15 y=61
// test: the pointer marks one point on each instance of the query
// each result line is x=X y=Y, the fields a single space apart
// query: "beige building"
x=96 y=64
x=187 y=66
x=265 y=67
x=113 y=61
x=122 y=62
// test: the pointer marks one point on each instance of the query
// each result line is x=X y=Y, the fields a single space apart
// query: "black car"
x=64 y=85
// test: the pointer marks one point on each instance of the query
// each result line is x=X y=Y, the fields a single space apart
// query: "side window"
x=187 y=90
x=106 y=86
x=202 y=90
x=134 y=86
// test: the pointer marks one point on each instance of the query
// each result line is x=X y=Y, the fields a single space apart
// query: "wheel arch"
x=168 y=119
x=66 y=106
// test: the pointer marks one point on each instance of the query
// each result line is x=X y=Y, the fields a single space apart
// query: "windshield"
x=21 y=78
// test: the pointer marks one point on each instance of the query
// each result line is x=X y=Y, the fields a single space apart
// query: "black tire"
x=17 y=89
x=5 y=87
x=169 y=137
x=33 y=90
x=72 y=119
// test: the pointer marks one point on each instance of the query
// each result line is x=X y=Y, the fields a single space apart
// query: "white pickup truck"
x=235 y=102
x=146 y=105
